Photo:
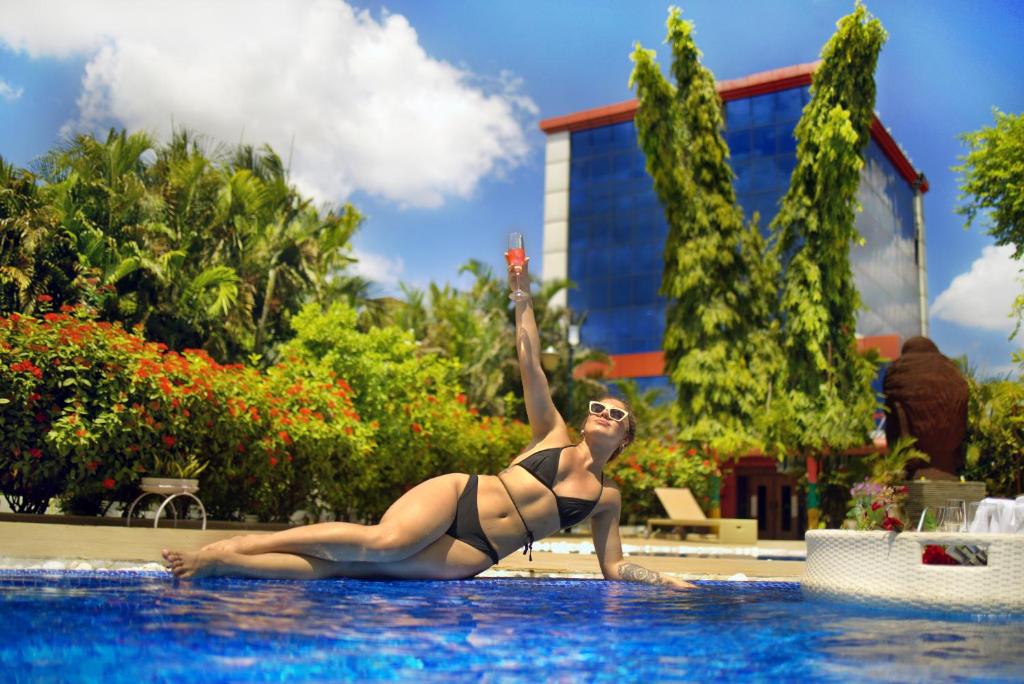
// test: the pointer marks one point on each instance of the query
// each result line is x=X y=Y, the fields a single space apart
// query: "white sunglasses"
x=615 y=413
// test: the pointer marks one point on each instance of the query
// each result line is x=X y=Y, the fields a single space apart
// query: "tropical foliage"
x=992 y=180
x=826 y=398
x=995 y=434
x=211 y=250
x=720 y=288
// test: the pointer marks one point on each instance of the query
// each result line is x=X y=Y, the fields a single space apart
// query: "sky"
x=425 y=115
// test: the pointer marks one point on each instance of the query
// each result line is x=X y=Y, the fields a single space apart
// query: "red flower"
x=461 y=398
x=892 y=524
x=273 y=461
x=875 y=505
x=44 y=298
x=66 y=308
x=108 y=483
x=169 y=440
x=691 y=452
x=416 y=427
x=36 y=453
x=285 y=437
x=91 y=466
x=936 y=555
x=81 y=432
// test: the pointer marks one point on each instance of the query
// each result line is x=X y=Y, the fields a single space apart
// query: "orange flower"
x=44 y=298
x=416 y=427
x=169 y=440
x=285 y=437
x=108 y=483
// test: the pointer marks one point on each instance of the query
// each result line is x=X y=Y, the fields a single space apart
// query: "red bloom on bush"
x=461 y=398
x=892 y=524
x=285 y=437
x=875 y=505
x=691 y=452
x=66 y=308
x=81 y=432
x=36 y=453
x=108 y=483
x=169 y=440
x=273 y=461
x=936 y=555
x=416 y=427
x=44 y=298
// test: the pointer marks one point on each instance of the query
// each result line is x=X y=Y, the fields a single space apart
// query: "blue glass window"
x=762 y=109
x=764 y=141
x=788 y=104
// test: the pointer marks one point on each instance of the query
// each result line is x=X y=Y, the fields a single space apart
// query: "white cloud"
x=382 y=270
x=983 y=297
x=357 y=100
x=8 y=92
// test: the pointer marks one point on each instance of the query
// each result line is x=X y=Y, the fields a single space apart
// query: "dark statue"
x=926 y=398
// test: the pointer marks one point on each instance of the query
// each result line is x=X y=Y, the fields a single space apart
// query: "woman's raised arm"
x=540 y=409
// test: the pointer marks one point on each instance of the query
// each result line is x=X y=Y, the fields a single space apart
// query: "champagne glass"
x=516 y=258
x=962 y=505
x=951 y=518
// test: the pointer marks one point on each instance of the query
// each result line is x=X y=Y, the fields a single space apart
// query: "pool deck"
x=29 y=544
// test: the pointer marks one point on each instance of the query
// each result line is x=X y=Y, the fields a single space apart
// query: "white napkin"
x=999 y=515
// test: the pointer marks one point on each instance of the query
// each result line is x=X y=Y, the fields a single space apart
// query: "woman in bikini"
x=456 y=526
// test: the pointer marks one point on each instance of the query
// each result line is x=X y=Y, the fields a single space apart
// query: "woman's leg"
x=193 y=565
x=419 y=517
x=445 y=558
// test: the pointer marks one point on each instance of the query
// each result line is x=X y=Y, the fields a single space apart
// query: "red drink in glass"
x=516 y=258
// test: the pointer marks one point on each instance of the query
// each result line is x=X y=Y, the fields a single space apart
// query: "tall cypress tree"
x=828 y=383
x=718 y=347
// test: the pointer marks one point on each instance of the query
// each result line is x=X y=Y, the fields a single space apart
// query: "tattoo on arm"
x=634 y=573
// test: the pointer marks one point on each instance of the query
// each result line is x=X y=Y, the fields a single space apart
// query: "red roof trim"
x=895 y=154
x=760 y=83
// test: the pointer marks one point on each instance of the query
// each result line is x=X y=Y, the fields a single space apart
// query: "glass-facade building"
x=606 y=230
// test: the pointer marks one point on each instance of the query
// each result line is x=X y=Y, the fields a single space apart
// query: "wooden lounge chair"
x=684 y=512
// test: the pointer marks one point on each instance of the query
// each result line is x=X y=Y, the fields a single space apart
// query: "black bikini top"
x=543 y=465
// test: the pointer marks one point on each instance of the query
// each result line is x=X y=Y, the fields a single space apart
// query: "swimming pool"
x=131 y=627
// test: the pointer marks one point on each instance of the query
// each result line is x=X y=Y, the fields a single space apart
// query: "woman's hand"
x=631 y=572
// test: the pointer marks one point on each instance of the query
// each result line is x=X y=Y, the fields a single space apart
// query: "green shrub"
x=91 y=408
x=651 y=463
x=995 y=435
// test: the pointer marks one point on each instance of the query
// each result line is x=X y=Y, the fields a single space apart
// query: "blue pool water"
x=134 y=627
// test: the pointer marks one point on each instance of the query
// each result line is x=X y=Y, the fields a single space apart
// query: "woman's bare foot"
x=188 y=565
x=230 y=545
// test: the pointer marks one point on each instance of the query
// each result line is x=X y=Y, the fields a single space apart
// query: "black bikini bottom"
x=466 y=526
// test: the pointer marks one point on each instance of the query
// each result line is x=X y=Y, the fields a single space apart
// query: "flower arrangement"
x=875 y=506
